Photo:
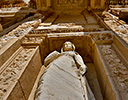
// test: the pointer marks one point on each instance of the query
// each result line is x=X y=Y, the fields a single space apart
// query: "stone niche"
x=94 y=47
x=83 y=45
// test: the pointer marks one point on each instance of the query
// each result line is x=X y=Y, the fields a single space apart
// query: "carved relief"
x=18 y=32
x=69 y=5
x=101 y=36
x=70 y=1
x=11 y=73
x=117 y=25
x=32 y=39
x=118 y=70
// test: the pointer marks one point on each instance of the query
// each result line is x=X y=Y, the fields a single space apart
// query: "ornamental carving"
x=32 y=39
x=118 y=70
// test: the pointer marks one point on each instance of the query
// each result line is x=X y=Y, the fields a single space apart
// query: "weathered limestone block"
x=24 y=28
x=20 y=31
x=117 y=25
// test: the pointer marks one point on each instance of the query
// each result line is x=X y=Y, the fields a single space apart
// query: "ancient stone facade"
x=104 y=52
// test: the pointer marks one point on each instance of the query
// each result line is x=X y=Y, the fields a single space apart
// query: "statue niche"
x=64 y=78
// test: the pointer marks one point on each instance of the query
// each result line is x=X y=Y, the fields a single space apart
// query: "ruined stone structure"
x=101 y=38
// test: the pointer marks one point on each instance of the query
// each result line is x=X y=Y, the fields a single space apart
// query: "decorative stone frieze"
x=117 y=68
x=10 y=73
x=64 y=29
x=32 y=39
x=101 y=36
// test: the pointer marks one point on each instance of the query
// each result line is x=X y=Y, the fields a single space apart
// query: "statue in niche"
x=64 y=77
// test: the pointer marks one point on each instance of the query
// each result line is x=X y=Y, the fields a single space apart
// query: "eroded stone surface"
x=117 y=25
x=21 y=30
